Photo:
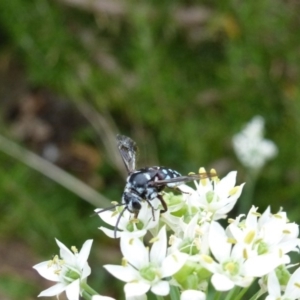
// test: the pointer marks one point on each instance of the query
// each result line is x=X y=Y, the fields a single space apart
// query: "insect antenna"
x=106 y=209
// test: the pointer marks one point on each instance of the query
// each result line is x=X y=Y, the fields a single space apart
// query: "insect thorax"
x=140 y=182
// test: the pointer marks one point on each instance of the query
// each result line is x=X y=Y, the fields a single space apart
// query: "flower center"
x=189 y=247
x=209 y=196
x=149 y=272
x=231 y=267
x=71 y=274
x=262 y=248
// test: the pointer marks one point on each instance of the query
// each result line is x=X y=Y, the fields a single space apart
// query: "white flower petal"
x=221 y=282
x=109 y=232
x=290 y=245
x=84 y=253
x=192 y=295
x=271 y=298
x=291 y=231
x=99 y=297
x=126 y=274
x=226 y=184
x=173 y=263
x=136 y=288
x=134 y=251
x=159 y=248
x=189 y=231
x=46 y=271
x=261 y=265
x=218 y=242
x=108 y=217
x=273 y=285
x=86 y=271
x=292 y=289
x=140 y=297
x=65 y=253
x=73 y=290
x=161 y=288
x=185 y=189
x=53 y=290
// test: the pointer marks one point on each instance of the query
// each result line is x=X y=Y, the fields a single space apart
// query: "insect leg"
x=163 y=203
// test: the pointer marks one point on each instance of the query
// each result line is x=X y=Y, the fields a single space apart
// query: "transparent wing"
x=127 y=148
x=182 y=179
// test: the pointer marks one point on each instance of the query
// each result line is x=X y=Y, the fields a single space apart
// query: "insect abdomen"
x=166 y=173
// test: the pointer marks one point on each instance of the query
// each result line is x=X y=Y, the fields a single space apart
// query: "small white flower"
x=213 y=198
x=192 y=295
x=233 y=266
x=128 y=225
x=270 y=233
x=143 y=270
x=192 y=239
x=292 y=290
x=99 y=297
x=251 y=148
x=68 y=271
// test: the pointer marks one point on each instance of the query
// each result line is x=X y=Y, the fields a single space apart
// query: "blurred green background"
x=179 y=77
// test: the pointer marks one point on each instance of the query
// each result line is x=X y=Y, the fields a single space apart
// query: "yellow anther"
x=74 y=249
x=207 y=259
x=234 y=190
x=124 y=262
x=231 y=241
x=197 y=243
x=257 y=214
x=57 y=272
x=230 y=221
x=245 y=254
x=277 y=216
x=203 y=176
x=172 y=239
x=214 y=175
x=153 y=240
x=53 y=261
x=249 y=237
x=297 y=285
x=114 y=213
x=285 y=231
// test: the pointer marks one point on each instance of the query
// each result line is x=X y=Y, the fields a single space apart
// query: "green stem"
x=217 y=296
x=231 y=294
x=159 y=297
x=246 y=200
x=257 y=295
x=86 y=288
x=174 y=293
x=241 y=293
x=86 y=295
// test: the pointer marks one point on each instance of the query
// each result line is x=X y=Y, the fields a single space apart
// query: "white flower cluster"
x=199 y=249
x=186 y=252
x=250 y=146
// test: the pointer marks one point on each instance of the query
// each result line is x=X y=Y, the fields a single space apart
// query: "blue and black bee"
x=145 y=184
